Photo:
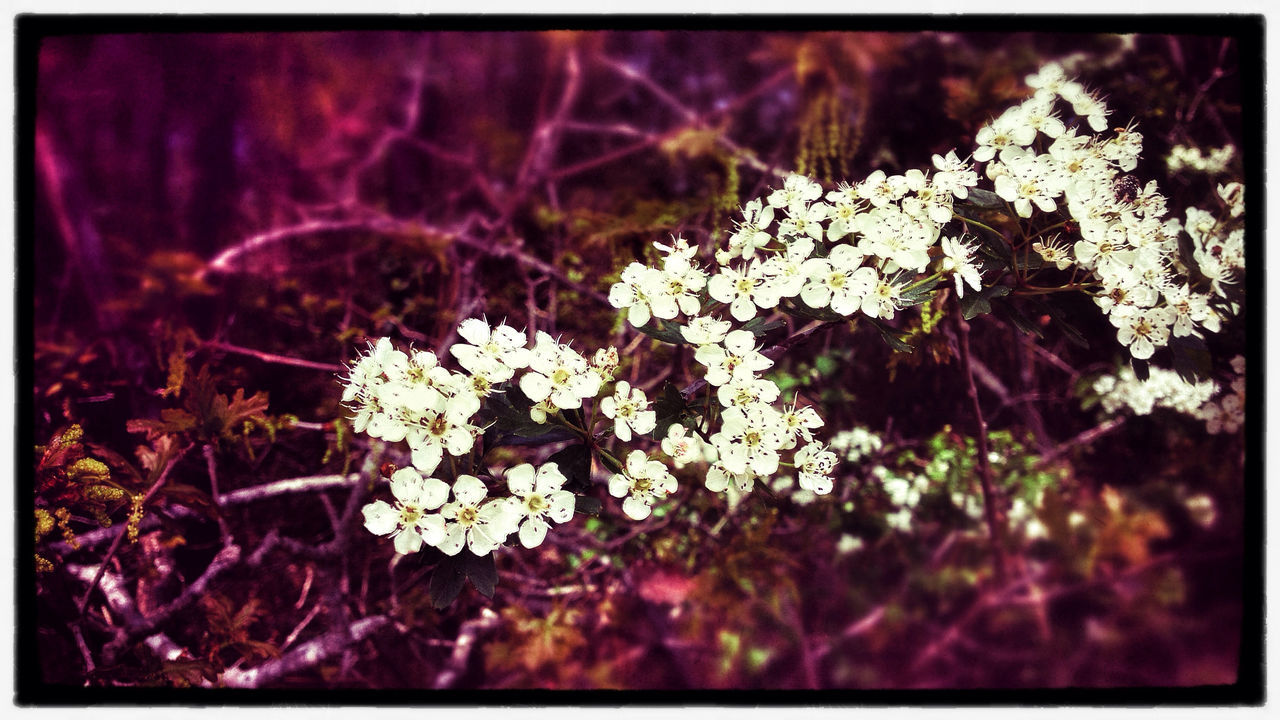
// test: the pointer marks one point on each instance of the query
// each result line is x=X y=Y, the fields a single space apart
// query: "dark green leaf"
x=587 y=505
x=983 y=198
x=1011 y=312
x=575 y=464
x=799 y=309
x=669 y=407
x=758 y=327
x=446 y=581
x=664 y=330
x=921 y=292
x=978 y=303
x=481 y=570
x=1191 y=358
x=1141 y=369
x=895 y=338
x=511 y=415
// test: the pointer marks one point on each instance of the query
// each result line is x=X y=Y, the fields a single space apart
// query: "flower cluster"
x=1166 y=389
x=1125 y=240
x=1193 y=158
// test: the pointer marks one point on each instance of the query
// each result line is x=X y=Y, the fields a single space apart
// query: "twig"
x=1083 y=438
x=292 y=485
x=307 y=655
x=122 y=605
x=138 y=626
x=212 y=465
x=315 y=610
x=115 y=544
x=989 y=501
x=467 y=635
x=273 y=358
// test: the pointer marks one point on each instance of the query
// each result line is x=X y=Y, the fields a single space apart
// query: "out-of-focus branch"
x=1083 y=438
x=467 y=635
x=307 y=655
x=286 y=487
x=273 y=358
x=995 y=519
x=122 y=605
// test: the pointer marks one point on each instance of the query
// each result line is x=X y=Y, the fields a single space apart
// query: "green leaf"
x=481 y=570
x=978 y=303
x=587 y=505
x=447 y=581
x=920 y=293
x=668 y=409
x=758 y=327
x=1011 y=312
x=895 y=338
x=665 y=330
x=1191 y=358
x=800 y=310
x=982 y=198
x=511 y=415
x=1141 y=369
x=575 y=464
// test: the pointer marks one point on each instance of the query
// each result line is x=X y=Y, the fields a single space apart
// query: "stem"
x=971 y=221
x=994 y=518
x=918 y=283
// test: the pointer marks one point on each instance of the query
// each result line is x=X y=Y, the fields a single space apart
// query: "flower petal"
x=533 y=532
x=520 y=479
x=469 y=490
x=380 y=518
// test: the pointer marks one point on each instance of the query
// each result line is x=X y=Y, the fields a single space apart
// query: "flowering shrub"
x=1045 y=205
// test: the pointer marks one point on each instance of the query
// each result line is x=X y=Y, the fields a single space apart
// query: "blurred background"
x=223 y=221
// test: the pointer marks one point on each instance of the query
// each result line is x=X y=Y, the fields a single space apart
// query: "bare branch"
x=307 y=655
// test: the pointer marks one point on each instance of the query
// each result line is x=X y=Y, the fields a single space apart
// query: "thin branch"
x=122 y=605
x=273 y=358
x=1083 y=438
x=989 y=500
x=307 y=655
x=293 y=485
x=467 y=635
x=115 y=545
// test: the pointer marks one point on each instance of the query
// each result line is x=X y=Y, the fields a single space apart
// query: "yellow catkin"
x=44 y=523
x=87 y=468
x=135 y=518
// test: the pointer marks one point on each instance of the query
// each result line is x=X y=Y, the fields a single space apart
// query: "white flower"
x=626 y=407
x=481 y=526
x=637 y=290
x=1143 y=330
x=737 y=356
x=954 y=175
x=681 y=445
x=815 y=463
x=747 y=390
x=739 y=290
x=883 y=300
x=408 y=521
x=1053 y=251
x=839 y=280
x=753 y=231
x=719 y=479
x=538 y=498
x=958 y=258
x=496 y=354
x=643 y=482
x=749 y=439
x=799 y=421
x=705 y=330
x=796 y=190
x=557 y=372
x=441 y=432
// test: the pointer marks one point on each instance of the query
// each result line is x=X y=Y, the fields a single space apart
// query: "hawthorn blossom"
x=408 y=520
x=626 y=407
x=536 y=498
x=643 y=482
x=493 y=353
x=957 y=258
x=469 y=520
